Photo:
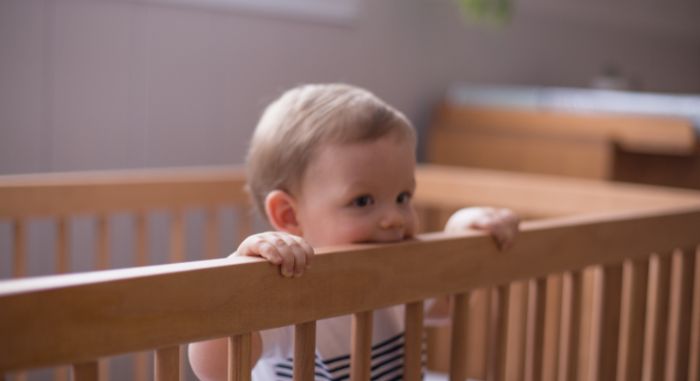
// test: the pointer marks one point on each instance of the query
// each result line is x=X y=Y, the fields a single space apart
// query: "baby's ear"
x=280 y=208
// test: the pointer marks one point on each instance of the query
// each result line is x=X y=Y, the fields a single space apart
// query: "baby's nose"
x=392 y=219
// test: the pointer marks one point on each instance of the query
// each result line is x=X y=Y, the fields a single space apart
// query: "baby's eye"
x=363 y=201
x=403 y=198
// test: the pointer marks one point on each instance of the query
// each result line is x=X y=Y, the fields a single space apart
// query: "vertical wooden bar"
x=632 y=317
x=212 y=233
x=88 y=371
x=102 y=263
x=239 y=360
x=694 y=352
x=480 y=331
x=361 y=355
x=516 y=321
x=591 y=308
x=677 y=341
x=413 y=341
x=656 y=318
x=102 y=260
x=62 y=245
x=167 y=364
x=305 y=350
x=141 y=234
x=569 y=339
x=458 y=343
x=141 y=359
x=62 y=266
x=534 y=349
x=501 y=341
x=19 y=268
x=177 y=237
x=552 y=326
x=245 y=222
x=609 y=334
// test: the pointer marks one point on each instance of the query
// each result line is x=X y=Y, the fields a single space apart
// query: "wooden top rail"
x=441 y=186
x=637 y=133
x=73 y=318
x=88 y=192
x=540 y=195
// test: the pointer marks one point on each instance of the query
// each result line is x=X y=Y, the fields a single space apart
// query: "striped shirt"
x=333 y=347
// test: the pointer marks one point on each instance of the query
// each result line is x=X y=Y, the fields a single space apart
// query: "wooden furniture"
x=640 y=317
x=634 y=148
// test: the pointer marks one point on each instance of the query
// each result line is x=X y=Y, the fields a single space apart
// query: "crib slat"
x=239 y=360
x=458 y=343
x=413 y=341
x=552 y=327
x=141 y=239
x=677 y=343
x=177 y=237
x=534 y=350
x=167 y=364
x=634 y=294
x=589 y=339
x=609 y=334
x=516 y=321
x=694 y=352
x=656 y=318
x=141 y=359
x=501 y=339
x=212 y=233
x=102 y=262
x=245 y=222
x=62 y=245
x=88 y=371
x=361 y=355
x=20 y=248
x=572 y=291
x=305 y=351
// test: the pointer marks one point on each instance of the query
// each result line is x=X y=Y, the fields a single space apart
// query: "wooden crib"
x=602 y=284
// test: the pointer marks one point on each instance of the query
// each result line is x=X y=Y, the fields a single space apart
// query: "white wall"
x=93 y=84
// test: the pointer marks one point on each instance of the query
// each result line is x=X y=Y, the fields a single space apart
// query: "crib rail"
x=79 y=318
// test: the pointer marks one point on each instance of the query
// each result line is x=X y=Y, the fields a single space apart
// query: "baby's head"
x=313 y=123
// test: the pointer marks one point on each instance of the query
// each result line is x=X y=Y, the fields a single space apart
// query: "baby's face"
x=354 y=193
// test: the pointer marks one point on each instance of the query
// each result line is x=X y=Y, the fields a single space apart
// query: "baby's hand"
x=291 y=252
x=502 y=224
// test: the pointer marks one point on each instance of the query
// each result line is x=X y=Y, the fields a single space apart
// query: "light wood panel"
x=113 y=191
x=539 y=195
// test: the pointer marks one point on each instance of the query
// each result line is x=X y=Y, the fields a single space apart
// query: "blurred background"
x=98 y=84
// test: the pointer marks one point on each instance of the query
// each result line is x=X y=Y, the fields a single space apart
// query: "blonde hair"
x=293 y=127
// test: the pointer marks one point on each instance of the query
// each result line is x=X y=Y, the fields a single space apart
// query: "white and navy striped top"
x=333 y=349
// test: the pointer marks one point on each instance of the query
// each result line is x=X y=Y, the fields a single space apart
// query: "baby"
x=328 y=165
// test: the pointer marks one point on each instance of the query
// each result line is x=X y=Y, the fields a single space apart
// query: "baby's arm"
x=209 y=359
x=501 y=224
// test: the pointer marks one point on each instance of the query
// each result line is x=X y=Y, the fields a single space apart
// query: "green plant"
x=488 y=11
